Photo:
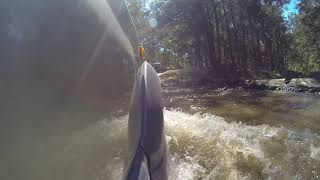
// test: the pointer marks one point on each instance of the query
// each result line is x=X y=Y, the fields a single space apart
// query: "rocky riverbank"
x=183 y=78
x=310 y=85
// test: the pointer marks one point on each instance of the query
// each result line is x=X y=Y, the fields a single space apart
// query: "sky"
x=291 y=8
x=148 y=2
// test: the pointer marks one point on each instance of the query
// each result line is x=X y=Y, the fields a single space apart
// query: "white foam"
x=231 y=140
x=200 y=147
x=315 y=152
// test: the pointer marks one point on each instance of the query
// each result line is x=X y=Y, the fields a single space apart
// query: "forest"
x=233 y=36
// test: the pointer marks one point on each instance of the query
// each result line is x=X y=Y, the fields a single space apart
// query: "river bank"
x=184 y=78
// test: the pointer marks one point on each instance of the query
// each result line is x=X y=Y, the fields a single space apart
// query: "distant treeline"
x=234 y=35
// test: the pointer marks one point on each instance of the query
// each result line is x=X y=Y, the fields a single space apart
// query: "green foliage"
x=233 y=34
x=239 y=36
x=305 y=38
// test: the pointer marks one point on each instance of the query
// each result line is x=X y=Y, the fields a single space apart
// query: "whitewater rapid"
x=200 y=147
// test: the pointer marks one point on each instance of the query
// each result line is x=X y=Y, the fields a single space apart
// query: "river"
x=212 y=134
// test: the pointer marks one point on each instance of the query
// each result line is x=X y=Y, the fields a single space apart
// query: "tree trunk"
x=216 y=17
x=228 y=31
x=236 y=42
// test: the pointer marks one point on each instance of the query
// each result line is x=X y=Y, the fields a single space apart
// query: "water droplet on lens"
x=153 y=22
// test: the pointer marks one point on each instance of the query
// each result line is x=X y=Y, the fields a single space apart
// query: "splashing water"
x=217 y=149
x=200 y=147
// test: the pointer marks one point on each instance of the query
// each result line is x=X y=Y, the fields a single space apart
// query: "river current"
x=211 y=134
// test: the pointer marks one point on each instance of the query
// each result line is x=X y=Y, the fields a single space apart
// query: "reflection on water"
x=214 y=135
